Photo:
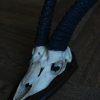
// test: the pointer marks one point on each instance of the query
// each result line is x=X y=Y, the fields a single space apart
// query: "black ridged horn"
x=44 y=25
x=62 y=35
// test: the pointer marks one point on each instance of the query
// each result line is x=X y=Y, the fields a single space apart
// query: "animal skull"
x=45 y=66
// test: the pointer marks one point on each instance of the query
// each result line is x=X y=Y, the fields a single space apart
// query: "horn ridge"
x=44 y=24
x=63 y=33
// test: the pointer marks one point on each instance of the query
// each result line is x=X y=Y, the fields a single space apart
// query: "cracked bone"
x=45 y=66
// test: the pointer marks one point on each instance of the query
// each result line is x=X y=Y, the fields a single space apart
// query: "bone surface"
x=45 y=66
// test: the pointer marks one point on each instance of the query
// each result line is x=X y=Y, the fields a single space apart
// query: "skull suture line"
x=45 y=65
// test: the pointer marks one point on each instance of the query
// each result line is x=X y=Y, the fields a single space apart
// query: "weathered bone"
x=41 y=73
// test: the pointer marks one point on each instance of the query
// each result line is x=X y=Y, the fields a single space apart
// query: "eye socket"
x=56 y=66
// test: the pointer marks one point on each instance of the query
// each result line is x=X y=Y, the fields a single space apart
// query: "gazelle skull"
x=45 y=65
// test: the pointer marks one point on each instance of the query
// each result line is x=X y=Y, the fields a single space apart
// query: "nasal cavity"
x=28 y=85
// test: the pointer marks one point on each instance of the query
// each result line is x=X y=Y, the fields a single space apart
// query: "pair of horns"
x=63 y=32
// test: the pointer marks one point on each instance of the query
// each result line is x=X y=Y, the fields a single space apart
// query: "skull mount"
x=45 y=66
